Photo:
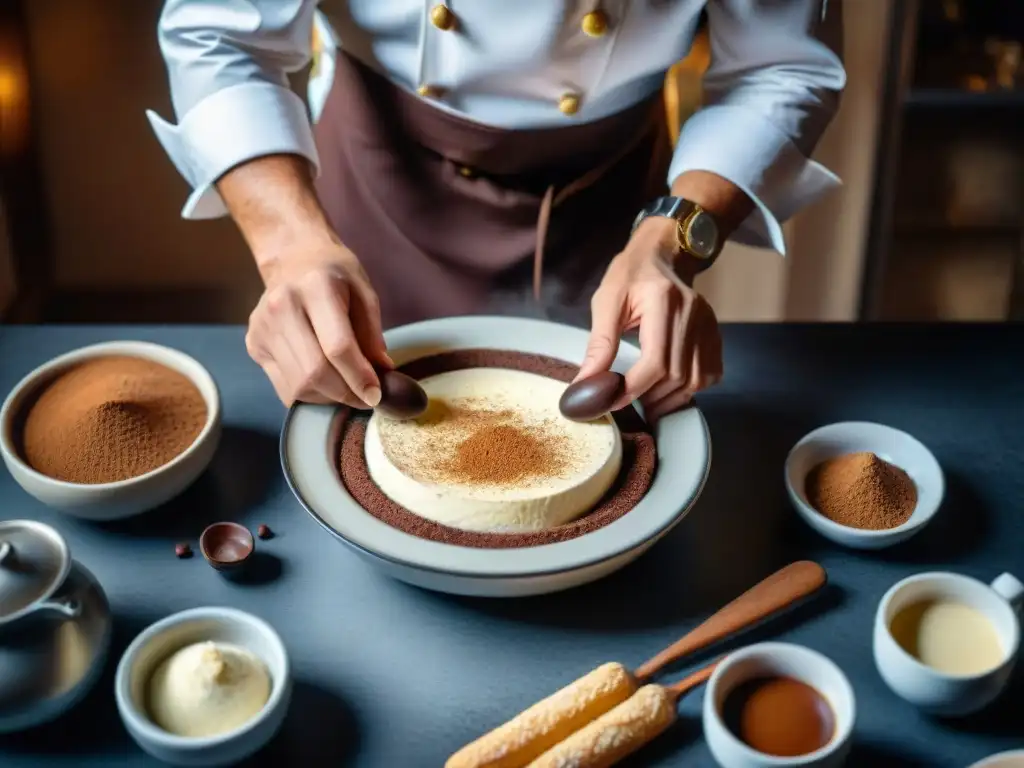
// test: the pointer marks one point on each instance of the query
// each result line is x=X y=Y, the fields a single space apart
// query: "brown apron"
x=451 y=217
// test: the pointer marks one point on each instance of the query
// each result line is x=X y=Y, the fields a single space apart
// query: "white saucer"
x=308 y=457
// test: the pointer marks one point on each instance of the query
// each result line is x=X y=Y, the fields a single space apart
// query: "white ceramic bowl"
x=113 y=501
x=785 y=660
x=888 y=444
x=308 y=455
x=1014 y=759
x=168 y=635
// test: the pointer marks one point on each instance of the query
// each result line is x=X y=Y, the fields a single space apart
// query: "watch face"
x=702 y=237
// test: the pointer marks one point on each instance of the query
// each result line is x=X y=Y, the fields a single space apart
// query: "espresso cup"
x=766 y=660
x=942 y=693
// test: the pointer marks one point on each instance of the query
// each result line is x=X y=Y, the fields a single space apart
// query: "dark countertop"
x=389 y=676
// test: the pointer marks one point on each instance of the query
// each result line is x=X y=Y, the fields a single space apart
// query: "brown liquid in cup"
x=779 y=716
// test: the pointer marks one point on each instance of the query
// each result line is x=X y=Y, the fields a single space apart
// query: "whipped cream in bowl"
x=207 y=686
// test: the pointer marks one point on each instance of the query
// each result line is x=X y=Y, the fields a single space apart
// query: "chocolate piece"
x=401 y=396
x=226 y=545
x=639 y=460
x=183 y=550
x=264 y=532
x=592 y=397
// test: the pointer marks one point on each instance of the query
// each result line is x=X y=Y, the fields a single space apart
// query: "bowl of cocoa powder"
x=864 y=485
x=111 y=430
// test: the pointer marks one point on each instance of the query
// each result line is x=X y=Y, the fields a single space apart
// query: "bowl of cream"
x=204 y=687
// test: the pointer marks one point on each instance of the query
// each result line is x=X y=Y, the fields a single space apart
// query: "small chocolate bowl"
x=227 y=547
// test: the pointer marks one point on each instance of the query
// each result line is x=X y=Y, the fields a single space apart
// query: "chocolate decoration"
x=592 y=397
x=401 y=396
x=226 y=545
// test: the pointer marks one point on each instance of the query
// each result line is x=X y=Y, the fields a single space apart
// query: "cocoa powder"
x=861 y=490
x=111 y=419
x=639 y=458
x=505 y=454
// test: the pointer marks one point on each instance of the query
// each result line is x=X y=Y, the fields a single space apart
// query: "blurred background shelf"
x=947 y=228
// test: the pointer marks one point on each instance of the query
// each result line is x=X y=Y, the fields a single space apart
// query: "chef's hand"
x=316 y=330
x=680 y=345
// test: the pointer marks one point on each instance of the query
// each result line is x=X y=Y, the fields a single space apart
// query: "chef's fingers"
x=656 y=326
x=284 y=389
x=327 y=306
x=674 y=402
x=279 y=382
x=311 y=375
x=364 y=313
x=706 y=368
x=607 y=308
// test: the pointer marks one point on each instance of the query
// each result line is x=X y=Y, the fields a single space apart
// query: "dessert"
x=639 y=459
x=493 y=453
x=207 y=688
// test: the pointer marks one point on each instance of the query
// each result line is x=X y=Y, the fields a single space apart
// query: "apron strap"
x=553 y=198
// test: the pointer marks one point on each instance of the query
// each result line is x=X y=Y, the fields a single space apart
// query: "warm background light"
x=14 y=111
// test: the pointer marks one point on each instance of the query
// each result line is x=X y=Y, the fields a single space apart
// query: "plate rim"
x=628 y=544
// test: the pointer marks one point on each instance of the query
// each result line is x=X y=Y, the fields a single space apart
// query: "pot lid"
x=34 y=561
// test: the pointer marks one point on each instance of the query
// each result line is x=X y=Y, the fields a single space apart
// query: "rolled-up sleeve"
x=228 y=63
x=773 y=85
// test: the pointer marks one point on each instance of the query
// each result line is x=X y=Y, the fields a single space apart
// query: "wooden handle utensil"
x=780 y=590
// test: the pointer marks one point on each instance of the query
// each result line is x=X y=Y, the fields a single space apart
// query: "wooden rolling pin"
x=625 y=728
x=530 y=734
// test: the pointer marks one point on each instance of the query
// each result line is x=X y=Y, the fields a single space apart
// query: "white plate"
x=308 y=457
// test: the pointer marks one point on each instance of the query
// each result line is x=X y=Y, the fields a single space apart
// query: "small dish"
x=888 y=444
x=168 y=635
x=784 y=660
x=1012 y=759
x=936 y=692
x=125 y=498
x=227 y=546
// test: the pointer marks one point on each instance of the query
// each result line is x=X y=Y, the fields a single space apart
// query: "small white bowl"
x=168 y=635
x=1013 y=759
x=125 y=498
x=783 y=660
x=889 y=444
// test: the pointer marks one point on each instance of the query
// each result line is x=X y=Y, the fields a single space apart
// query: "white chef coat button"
x=441 y=16
x=429 y=91
x=569 y=104
x=595 y=24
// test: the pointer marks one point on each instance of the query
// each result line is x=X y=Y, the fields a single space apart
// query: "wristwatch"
x=696 y=229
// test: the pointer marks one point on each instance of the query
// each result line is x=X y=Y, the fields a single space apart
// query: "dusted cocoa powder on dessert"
x=482 y=429
x=111 y=419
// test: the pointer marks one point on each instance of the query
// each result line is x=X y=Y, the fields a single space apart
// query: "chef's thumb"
x=603 y=344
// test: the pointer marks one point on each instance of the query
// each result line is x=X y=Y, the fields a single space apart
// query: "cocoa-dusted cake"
x=492 y=464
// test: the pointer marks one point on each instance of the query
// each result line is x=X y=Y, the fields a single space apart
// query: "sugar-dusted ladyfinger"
x=531 y=733
x=615 y=734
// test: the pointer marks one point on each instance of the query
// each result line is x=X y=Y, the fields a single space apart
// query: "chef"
x=495 y=156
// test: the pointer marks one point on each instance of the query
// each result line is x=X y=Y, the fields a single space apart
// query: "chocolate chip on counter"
x=264 y=532
x=183 y=550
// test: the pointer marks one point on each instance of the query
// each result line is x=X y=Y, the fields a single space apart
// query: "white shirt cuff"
x=748 y=150
x=227 y=128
